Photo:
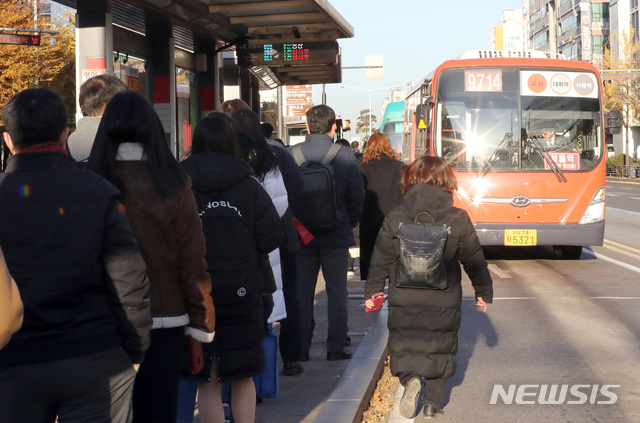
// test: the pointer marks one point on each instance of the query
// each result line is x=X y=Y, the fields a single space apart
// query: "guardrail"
x=626 y=171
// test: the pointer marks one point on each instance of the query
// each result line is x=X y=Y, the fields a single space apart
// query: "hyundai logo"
x=520 y=201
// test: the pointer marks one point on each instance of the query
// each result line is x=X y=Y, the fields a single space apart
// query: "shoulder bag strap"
x=298 y=155
x=331 y=154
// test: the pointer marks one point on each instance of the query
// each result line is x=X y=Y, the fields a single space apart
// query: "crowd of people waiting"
x=119 y=251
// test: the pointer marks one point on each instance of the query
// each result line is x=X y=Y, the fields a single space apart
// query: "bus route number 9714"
x=482 y=81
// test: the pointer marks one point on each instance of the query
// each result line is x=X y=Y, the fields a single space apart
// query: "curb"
x=352 y=394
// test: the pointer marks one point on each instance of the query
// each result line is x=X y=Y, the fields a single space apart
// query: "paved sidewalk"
x=302 y=397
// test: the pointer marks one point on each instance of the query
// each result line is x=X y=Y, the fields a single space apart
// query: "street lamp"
x=370 y=91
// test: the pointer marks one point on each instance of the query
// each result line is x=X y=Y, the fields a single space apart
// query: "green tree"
x=46 y=66
x=366 y=124
x=624 y=95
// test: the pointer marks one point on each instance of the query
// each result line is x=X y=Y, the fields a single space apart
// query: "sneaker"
x=409 y=399
x=350 y=273
x=293 y=368
x=430 y=412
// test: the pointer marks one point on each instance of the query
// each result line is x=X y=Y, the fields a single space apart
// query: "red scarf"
x=44 y=147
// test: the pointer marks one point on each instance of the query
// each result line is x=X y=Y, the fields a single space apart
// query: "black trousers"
x=93 y=388
x=334 y=263
x=155 y=392
x=290 y=326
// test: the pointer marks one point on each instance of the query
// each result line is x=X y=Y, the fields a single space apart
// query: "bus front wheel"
x=569 y=252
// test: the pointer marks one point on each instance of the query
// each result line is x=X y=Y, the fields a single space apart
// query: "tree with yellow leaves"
x=46 y=66
x=623 y=94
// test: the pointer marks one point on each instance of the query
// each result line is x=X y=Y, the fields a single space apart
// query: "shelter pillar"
x=162 y=78
x=94 y=42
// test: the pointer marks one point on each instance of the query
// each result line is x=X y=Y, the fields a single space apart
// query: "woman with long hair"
x=381 y=171
x=256 y=152
x=131 y=151
x=239 y=223
x=423 y=323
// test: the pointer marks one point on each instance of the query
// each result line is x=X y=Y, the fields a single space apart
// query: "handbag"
x=267 y=383
x=421 y=263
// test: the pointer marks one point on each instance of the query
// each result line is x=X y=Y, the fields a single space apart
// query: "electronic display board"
x=22 y=40
x=281 y=54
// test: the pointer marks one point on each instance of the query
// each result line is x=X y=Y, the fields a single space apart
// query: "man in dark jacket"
x=329 y=250
x=72 y=253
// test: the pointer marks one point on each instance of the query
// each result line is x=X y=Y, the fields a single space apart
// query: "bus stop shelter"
x=181 y=54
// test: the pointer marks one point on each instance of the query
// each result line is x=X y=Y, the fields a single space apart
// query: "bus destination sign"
x=274 y=54
x=22 y=40
x=483 y=81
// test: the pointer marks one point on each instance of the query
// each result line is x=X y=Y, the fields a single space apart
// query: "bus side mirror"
x=613 y=121
x=423 y=115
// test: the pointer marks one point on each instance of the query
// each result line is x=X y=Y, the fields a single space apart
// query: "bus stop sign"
x=21 y=40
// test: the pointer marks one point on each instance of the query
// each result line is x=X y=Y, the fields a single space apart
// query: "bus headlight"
x=595 y=210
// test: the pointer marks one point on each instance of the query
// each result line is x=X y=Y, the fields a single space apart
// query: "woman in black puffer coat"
x=381 y=172
x=240 y=223
x=423 y=323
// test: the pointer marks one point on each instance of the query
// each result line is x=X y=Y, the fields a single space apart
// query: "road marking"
x=536 y=298
x=615 y=298
x=612 y=195
x=634 y=198
x=612 y=244
x=623 y=210
x=612 y=260
x=499 y=272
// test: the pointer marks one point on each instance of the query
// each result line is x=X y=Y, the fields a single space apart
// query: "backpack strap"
x=425 y=213
x=298 y=155
x=331 y=154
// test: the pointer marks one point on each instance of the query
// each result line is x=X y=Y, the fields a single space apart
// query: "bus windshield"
x=511 y=120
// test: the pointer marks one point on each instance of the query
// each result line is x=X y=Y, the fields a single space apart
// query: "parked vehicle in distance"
x=393 y=124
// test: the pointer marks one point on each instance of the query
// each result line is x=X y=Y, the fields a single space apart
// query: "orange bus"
x=526 y=136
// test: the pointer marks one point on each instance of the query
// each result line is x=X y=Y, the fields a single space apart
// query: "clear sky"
x=413 y=36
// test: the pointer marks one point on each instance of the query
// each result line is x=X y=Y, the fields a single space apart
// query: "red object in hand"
x=378 y=299
x=196 y=360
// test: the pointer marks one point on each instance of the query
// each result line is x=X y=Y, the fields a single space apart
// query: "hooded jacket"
x=273 y=183
x=239 y=222
x=423 y=323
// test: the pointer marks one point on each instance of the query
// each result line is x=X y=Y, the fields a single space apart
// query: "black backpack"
x=421 y=263
x=319 y=194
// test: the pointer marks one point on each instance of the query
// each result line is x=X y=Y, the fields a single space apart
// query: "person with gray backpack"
x=419 y=249
x=329 y=249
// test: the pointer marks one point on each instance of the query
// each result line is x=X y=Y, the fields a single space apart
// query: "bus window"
x=471 y=124
x=566 y=128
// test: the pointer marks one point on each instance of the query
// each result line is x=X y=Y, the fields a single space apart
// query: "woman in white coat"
x=255 y=151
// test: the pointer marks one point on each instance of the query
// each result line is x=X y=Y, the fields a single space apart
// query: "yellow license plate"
x=520 y=237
